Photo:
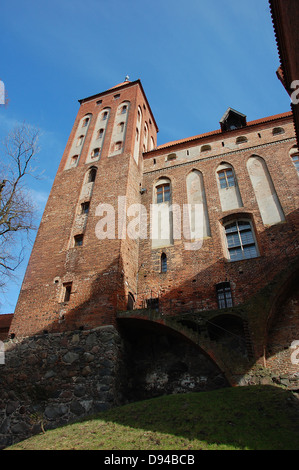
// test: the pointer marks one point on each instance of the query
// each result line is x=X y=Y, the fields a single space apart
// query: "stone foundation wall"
x=51 y=380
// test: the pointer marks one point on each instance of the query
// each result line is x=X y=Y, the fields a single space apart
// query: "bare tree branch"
x=16 y=206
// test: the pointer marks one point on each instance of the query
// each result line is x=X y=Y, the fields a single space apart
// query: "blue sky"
x=195 y=59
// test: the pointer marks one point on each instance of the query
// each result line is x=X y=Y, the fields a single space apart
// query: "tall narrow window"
x=240 y=240
x=100 y=133
x=105 y=116
x=85 y=122
x=224 y=295
x=163 y=193
x=163 y=263
x=124 y=109
x=80 y=140
x=85 y=207
x=92 y=175
x=265 y=193
x=67 y=290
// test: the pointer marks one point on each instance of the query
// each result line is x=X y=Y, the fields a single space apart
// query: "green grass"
x=243 y=418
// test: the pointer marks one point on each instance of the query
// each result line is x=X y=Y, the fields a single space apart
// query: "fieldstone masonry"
x=53 y=379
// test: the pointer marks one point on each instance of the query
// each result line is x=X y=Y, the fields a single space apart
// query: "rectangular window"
x=224 y=295
x=67 y=290
x=240 y=241
x=163 y=193
x=85 y=207
x=78 y=240
x=226 y=178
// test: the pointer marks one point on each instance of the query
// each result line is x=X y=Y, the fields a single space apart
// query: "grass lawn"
x=242 y=418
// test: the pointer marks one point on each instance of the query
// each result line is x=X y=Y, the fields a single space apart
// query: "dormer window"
x=232 y=119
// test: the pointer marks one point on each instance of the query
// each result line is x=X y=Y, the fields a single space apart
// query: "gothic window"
x=240 y=240
x=124 y=109
x=85 y=122
x=229 y=192
x=163 y=193
x=121 y=127
x=224 y=295
x=265 y=193
x=105 y=116
x=163 y=263
x=118 y=145
x=198 y=210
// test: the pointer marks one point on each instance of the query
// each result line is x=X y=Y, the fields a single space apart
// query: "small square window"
x=78 y=240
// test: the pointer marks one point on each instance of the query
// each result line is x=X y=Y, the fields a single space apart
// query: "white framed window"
x=240 y=240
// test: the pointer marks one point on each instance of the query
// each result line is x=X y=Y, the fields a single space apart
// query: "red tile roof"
x=218 y=131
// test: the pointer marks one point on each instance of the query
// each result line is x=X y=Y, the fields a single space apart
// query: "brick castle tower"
x=74 y=279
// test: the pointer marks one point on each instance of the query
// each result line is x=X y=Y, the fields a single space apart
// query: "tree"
x=16 y=206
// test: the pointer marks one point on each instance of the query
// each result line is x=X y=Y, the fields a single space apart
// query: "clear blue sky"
x=195 y=59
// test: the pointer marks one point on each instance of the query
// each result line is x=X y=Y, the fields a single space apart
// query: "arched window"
x=92 y=175
x=100 y=133
x=163 y=263
x=240 y=240
x=229 y=193
x=85 y=122
x=162 y=214
x=205 y=148
x=80 y=140
x=197 y=205
x=265 y=193
x=105 y=115
x=95 y=153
